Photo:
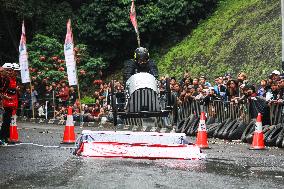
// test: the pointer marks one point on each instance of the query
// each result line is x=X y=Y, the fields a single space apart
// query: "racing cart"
x=142 y=98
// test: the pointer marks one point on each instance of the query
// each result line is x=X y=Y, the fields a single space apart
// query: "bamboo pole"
x=138 y=37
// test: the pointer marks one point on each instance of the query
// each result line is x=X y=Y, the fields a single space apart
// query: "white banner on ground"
x=23 y=57
x=69 y=56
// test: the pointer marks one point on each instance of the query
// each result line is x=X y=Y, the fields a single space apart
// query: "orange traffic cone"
x=201 y=139
x=258 y=137
x=14 y=136
x=69 y=133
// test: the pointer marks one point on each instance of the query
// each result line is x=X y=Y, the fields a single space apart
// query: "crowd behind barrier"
x=227 y=97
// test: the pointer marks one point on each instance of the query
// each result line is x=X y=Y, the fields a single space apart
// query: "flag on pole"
x=69 y=56
x=23 y=57
x=133 y=17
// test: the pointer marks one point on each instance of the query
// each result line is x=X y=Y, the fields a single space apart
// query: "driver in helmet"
x=140 y=63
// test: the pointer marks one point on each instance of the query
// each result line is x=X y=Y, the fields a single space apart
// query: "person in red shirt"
x=64 y=94
x=9 y=98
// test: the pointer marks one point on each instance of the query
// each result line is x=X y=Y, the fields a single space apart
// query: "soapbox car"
x=142 y=98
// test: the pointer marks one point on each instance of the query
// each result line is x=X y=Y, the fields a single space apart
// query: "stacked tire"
x=233 y=129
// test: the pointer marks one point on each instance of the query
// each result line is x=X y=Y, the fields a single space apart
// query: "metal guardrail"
x=222 y=110
x=218 y=109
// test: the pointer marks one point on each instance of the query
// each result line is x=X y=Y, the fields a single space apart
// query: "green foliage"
x=241 y=35
x=41 y=51
x=46 y=58
x=88 y=100
x=105 y=25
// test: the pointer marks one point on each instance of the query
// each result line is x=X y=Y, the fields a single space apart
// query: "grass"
x=241 y=35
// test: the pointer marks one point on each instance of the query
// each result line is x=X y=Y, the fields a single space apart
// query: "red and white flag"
x=69 y=56
x=23 y=57
x=133 y=17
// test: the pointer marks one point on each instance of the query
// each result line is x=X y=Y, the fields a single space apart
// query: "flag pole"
x=138 y=37
x=79 y=96
x=23 y=61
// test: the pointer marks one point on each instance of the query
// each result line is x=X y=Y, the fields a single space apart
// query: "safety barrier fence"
x=218 y=109
x=273 y=113
x=43 y=108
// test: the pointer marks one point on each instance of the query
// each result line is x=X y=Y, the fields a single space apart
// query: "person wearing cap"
x=275 y=75
x=9 y=99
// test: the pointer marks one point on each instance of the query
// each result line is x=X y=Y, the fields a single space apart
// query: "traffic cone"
x=258 y=137
x=69 y=133
x=201 y=139
x=14 y=136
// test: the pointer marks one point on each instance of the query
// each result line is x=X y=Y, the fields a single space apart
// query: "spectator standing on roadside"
x=232 y=90
x=275 y=75
x=219 y=88
x=26 y=103
x=64 y=94
x=242 y=81
x=186 y=80
x=262 y=89
x=72 y=96
x=202 y=81
x=195 y=83
x=273 y=93
x=34 y=95
x=9 y=99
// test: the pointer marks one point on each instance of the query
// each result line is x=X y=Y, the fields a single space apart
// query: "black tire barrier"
x=249 y=137
x=220 y=132
x=248 y=130
x=272 y=137
x=268 y=132
x=211 y=129
x=210 y=120
x=187 y=123
x=193 y=128
x=227 y=129
x=215 y=134
x=280 y=138
x=180 y=126
x=237 y=130
x=191 y=124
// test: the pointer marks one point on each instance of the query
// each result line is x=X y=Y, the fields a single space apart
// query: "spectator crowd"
x=51 y=100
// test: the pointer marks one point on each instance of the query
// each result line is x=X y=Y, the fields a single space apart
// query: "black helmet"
x=141 y=55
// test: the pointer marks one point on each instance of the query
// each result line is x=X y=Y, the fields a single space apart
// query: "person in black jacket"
x=140 y=63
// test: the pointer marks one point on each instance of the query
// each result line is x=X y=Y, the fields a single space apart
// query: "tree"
x=46 y=58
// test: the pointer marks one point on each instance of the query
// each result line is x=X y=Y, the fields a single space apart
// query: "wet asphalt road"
x=41 y=162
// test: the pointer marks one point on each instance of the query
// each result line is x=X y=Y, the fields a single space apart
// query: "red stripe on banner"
x=132 y=16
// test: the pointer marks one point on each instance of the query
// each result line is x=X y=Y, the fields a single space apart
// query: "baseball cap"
x=276 y=72
x=16 y=66
x=7 y=66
